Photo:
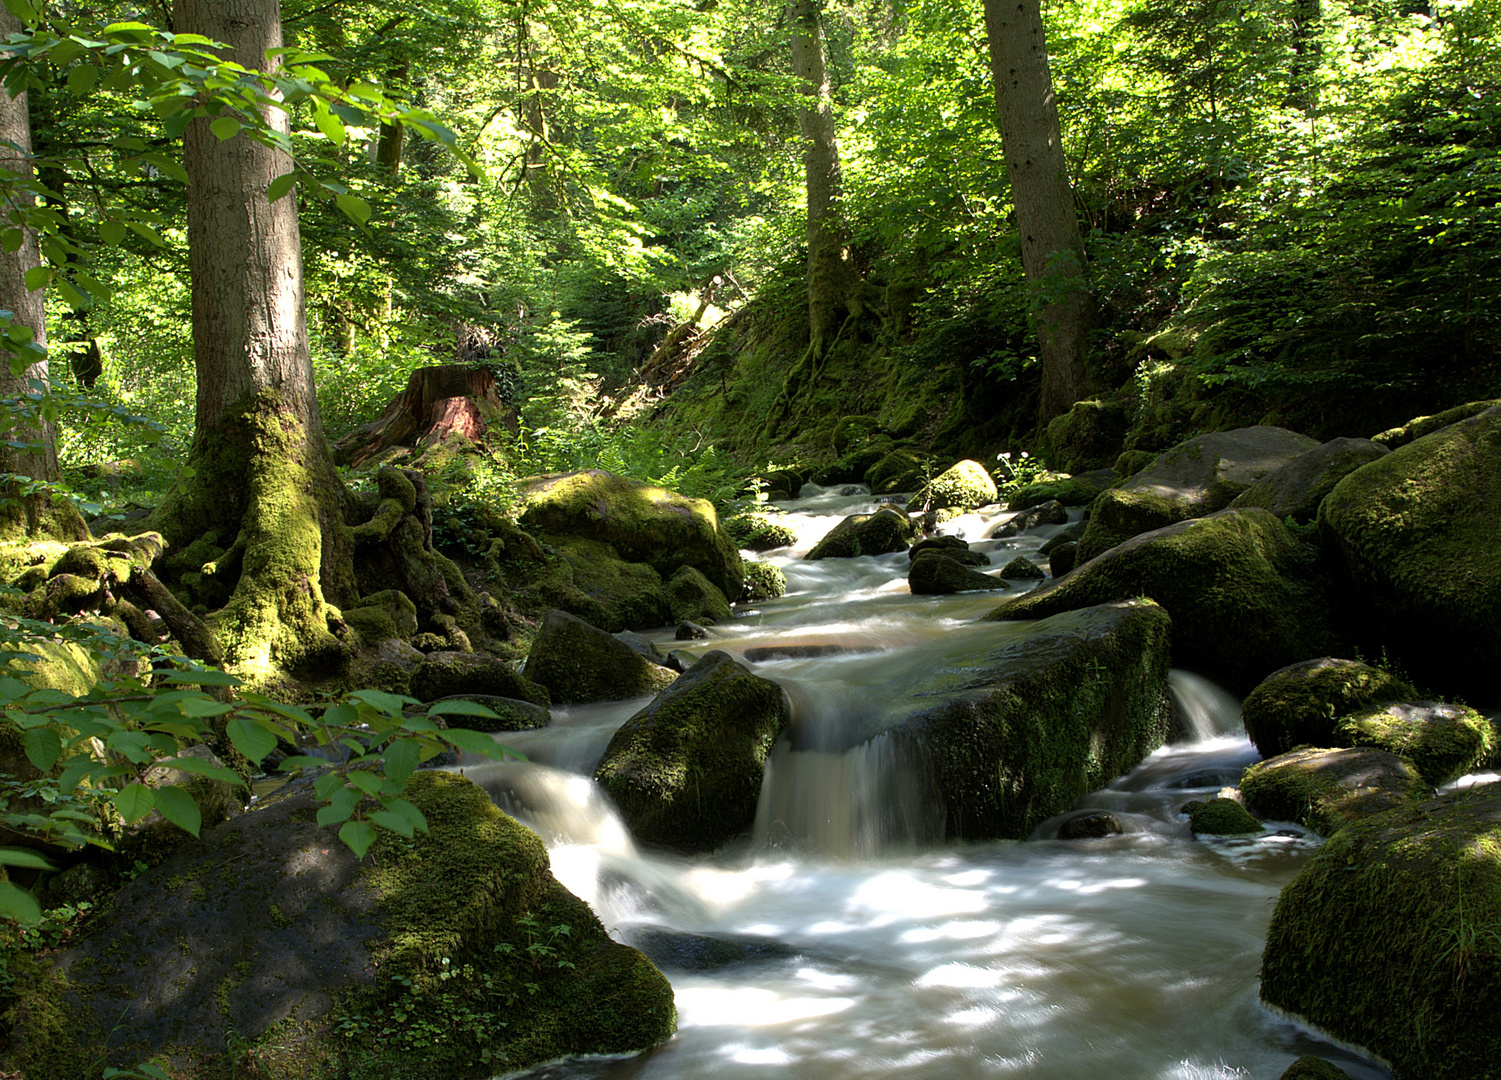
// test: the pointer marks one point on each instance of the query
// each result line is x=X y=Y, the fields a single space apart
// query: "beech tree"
x=1052 y=248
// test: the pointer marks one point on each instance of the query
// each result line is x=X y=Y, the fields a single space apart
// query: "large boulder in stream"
x=1415 y=536
x=1443 y=741
x=881 y=533
x=580 y=663
x=1328 y=789
x=686 y=770
x=1014 y=723
x=1387 y=938
x=964 y=486
x=645 y=524
x=936 y=572
x=1298 y=705
x=1295 y=490
x=1245 y=595
x=255 y=950
x=1194 y=478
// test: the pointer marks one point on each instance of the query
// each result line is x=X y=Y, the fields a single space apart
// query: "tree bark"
x=262 y=475
x=1052 y=248
x=447 y=402
x=23 y=515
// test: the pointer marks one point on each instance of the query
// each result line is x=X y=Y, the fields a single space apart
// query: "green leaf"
x=225 y=128
x=203 y=706
x=301 y=761
x=342 y=715
x=390 y=704
x=43 y=747
x=408 y=811
x=134 y=802
x=358 y=836
x=401 y=759
x=355 y=208
x=199 y=767
x=11 y=240
x=474 y=742
x=146 y=232
x=395 y=822
x=167 y=165
x=18 y=904
x=281 y=185
x=202 y=677
x=460 y=707
x=252 y=738
x=329 y=124
x=367 y=782
x=28 y=13
x=82 y=79
x=28 y=859
x=38 y=277
x=178 y=807
x=339 y=807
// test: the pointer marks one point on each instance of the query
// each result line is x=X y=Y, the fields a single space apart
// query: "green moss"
x=1298 y=705
x=600 y=587
x=1117 y=515
x=853 y=431
x=1131 y=462
x=692 y=596
x=1328 y=789
x=1390 y=938
x=1221 y=817
x=764 y=581
x=1023 y=568
x=1443 y=741
x=885 y=531
x=899 y=470
x=1088 y=436
x=964 y=486
x=1070 y=491
x=59 y=1042
x=1416 y=428
x=1309 y=1067
x=577 y=662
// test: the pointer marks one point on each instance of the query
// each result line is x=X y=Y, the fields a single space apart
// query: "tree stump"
x=448 y=401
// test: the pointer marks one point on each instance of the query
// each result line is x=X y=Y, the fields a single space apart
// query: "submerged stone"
x=1093 y=826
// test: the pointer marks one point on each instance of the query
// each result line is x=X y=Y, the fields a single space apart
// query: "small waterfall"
x=1202 y=709
x=561 y=807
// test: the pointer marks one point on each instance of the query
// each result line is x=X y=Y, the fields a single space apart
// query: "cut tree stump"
x=439 y=403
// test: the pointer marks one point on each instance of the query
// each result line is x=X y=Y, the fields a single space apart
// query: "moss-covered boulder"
x=645 y=524
x=1080 y=490
x=964 y=486
x=770 y=535
x=577 y=663
x=902 y=469
x=764 y=581
x=456 y=674
x=1246 y=597
x=1063 y=558
x=853 y=431
x=1221 y=817
x=1328 y=789
x=1048 y=513
x=692 y=596
x=1309 y=1067
x=1088 y=436
x=881 y=533
x=955 y=547
x=1388 y=938
x=936 y=573
x=1194 y=478
x=686 y=770
x=253 y=951
x=1414 y=534
x=1416 y=428
x=1023 y=568
x=1016 y=722
x=855 y=462
x=1296 y=489
x=1443 y=741
x=383 y=616
x=588 y=578
x=1298 y=705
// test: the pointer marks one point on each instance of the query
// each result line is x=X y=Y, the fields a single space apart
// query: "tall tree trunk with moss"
x=833 y=281
x=262 y=483
x=24 y=513
x=1052 y=248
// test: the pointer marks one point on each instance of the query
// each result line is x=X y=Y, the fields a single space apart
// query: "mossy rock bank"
x=1309 y=1067
x=902 y=469
x=1298 y=705
x=1328 y=789
x=1016 y=722
x=1443 y=741
x=580 y=663
x=686 y=770
x=644 y=523
x=1388 y=938
x=251 y=951
x=1245 y=596
x=1415 y=536
x=1419 y=426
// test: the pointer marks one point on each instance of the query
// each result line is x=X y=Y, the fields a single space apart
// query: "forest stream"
x=841 y=941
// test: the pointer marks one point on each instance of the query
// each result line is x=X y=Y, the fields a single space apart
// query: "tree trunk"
x=439 y=404
x=26 y=515
x=1051 y=247
x=262 y=476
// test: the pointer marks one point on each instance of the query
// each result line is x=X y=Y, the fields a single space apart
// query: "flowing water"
x=842 y=940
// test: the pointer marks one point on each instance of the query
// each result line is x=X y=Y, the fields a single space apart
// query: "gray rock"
x=1093 y=826
x=1296 y=489
x=933 y=573
x=1051 y=512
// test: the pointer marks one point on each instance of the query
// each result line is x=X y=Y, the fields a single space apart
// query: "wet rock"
x=964 y=486
x=642 y=645
x=1088 y=436
x=1048 y=513
x=1385 y=939
x=644 y=523
x=783 y=484
x=881 y=533
x=1327 y=789
x=1090 y=826
x=1220 y=817
x=691 y=631
x=1296 y=489
x=680 y=661
x=953 y=546
x=81 y=883
x=1080 y=490
x=760 y=532
x=686 y=770
x=259 y=936
x=588 y=579
x=1067 y=534
x=900 y=470
x=1246 y=597
x=693 y=598
x=1298 y=705
x=1063 y=558
x=453 y=674
x=792 y=650
x=1443 y=741
x=1022 y=567
x=1414 y=536
x=933 y=573
x=1309 y=1067
x=764 y=581
x=579 y=663
x=674 y=950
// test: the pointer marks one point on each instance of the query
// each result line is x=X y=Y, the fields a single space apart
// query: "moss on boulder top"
x=1416 y=428
x=692 y=596
x=1221 y=817
x=686 y=770
x=881 y=533
x=1298 y=705
x=1414 y=534
x=936 y=572
x=578 y=663
x=1088 y=436
x=644 y=523
x=1443 y=741
x=1080 y=490
x=1296 y=489
x=902 y=469
x=450 y=674
x=964 y=486
x=1309 y=1067
x=245 y=951
x=1245 y=596
x=1328 y=789
x=1388 y=938
x=763 y=581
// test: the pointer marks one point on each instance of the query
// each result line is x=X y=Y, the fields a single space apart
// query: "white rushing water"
x=844 y=941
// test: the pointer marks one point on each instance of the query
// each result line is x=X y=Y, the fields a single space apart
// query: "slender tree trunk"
x=23 y=515
x=263 y=483
x=1051 y=247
